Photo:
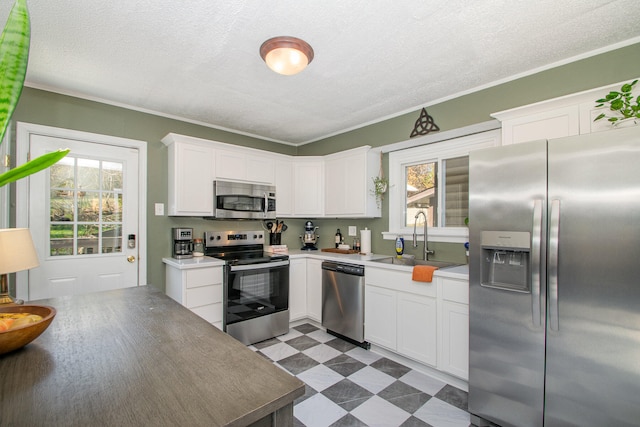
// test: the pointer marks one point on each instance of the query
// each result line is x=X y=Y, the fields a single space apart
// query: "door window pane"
x=85 y=207
x=421 y=193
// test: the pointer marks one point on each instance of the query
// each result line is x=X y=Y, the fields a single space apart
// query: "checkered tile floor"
x=349 y=386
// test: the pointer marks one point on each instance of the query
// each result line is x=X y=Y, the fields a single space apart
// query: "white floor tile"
x=293 y=333
x=441 y=414
x=279 y=351
x=320 y=377
x=371 y=379
x=364 y=356
x=378 y=412
x=321 y=353
x=422 y=382
x=321 y=336
x=318 y=411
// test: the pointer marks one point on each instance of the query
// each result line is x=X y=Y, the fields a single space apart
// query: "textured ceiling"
x=198 y=59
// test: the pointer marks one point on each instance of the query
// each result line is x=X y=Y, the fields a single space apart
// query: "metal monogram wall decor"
x=424 y=125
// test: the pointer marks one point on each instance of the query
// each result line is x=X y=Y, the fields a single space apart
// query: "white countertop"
x=458 y=272
x=195 y=262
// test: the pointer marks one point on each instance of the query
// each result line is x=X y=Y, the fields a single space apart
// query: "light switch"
x=159 y=209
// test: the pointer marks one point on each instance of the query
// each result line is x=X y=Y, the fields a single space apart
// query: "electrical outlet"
x=159 y=209
x=352 y=230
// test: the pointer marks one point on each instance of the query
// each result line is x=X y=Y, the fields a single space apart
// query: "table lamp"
x=17 y=253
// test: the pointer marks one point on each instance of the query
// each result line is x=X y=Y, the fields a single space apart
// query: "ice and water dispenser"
x=506 y=260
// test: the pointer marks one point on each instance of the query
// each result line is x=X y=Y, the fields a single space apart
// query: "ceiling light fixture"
x=286 y=55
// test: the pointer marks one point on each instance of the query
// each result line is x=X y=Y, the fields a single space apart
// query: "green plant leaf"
x=600 y=116
x=612 y=95
x=33 y=166
x=14 y=56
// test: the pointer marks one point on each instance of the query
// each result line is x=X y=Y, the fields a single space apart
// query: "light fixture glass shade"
x=17 y=252
x=286 y=55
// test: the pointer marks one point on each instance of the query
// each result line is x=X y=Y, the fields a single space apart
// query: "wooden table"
x=134 y=357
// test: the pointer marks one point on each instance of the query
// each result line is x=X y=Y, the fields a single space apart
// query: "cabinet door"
x=380 y=316
x=346 y=183
x=260 y=169
x=314 y=289
x=455 y=339
x=555 y=123
x=190 y=180
x=308 y=198
x=297 y=289
x=284 y=187
x=230 y=165
x=336 y=185
x=417 y=327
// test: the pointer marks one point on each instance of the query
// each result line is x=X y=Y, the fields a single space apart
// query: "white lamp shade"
x=17 y=251
x=286 y=55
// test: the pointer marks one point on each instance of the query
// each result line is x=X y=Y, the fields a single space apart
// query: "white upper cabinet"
x=555 y=118
x=190 y=178
x=244 y=165
x=349 y=183
x=284 y=186
x=308 y=186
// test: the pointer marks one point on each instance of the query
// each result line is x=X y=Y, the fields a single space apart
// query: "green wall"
x=46 y=108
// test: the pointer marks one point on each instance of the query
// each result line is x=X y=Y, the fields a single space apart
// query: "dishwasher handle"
x=351 y=269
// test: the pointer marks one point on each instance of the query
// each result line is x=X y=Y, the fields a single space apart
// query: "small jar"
x=198 y=247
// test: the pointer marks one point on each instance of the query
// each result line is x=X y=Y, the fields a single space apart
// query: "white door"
x=84 y=218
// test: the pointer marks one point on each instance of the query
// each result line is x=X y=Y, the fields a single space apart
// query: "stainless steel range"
x=256 y=285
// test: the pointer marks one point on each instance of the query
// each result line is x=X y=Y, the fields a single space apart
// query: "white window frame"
x=435 y=152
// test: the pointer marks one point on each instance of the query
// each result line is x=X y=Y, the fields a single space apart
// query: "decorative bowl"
x=14 y=339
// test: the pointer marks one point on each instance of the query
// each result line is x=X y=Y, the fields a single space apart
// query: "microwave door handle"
x=266 y=204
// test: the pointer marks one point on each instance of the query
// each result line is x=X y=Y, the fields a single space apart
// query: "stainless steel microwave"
x=242 y=200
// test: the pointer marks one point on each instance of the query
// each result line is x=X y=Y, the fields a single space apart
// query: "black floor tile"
x=454 y=396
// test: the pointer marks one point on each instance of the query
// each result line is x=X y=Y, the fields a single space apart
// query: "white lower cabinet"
x=417 y=328
x=297 y=289
x=199 y=290
x=314 y=289
x=454 y=355
x=426 y=322
x=380 y=314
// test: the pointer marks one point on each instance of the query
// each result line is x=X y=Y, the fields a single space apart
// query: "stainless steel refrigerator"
x=555 y=282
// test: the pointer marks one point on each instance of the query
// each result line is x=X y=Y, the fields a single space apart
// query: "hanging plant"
x=621 y=103
x=380 y=184
x=14 y=56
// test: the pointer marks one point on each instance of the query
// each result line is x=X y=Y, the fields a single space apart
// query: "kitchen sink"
x=410 y=262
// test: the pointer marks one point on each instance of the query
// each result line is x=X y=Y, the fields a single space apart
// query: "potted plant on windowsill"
x=622 y=105
x=14 y=56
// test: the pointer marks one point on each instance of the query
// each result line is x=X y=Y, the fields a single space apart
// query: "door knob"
x=131 y=258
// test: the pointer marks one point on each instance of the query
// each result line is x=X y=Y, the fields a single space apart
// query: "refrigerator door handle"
x=554 y=233
x=536 y=239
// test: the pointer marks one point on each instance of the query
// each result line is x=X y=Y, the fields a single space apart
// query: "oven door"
x=255 y=290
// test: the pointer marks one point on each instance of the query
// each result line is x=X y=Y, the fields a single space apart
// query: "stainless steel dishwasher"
x=343 y=301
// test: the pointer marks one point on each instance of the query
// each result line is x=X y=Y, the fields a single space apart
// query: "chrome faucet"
x=426 y=253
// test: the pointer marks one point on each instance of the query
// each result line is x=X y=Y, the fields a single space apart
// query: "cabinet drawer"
x=204 y=276
x=399 y=281
x=455 y=290
x=212 y=313
x=203 y=295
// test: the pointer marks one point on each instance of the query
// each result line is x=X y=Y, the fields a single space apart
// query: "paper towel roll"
x=365 y=241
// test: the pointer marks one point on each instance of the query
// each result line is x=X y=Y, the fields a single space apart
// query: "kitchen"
x=38 y=106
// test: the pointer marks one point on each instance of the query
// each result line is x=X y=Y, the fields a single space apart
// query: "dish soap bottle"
x=399 y=246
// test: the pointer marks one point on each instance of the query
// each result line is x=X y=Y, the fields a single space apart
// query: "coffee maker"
x=309 y=238
x=182 y=242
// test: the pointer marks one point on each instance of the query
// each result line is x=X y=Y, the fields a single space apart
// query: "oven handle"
x=258 y=266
